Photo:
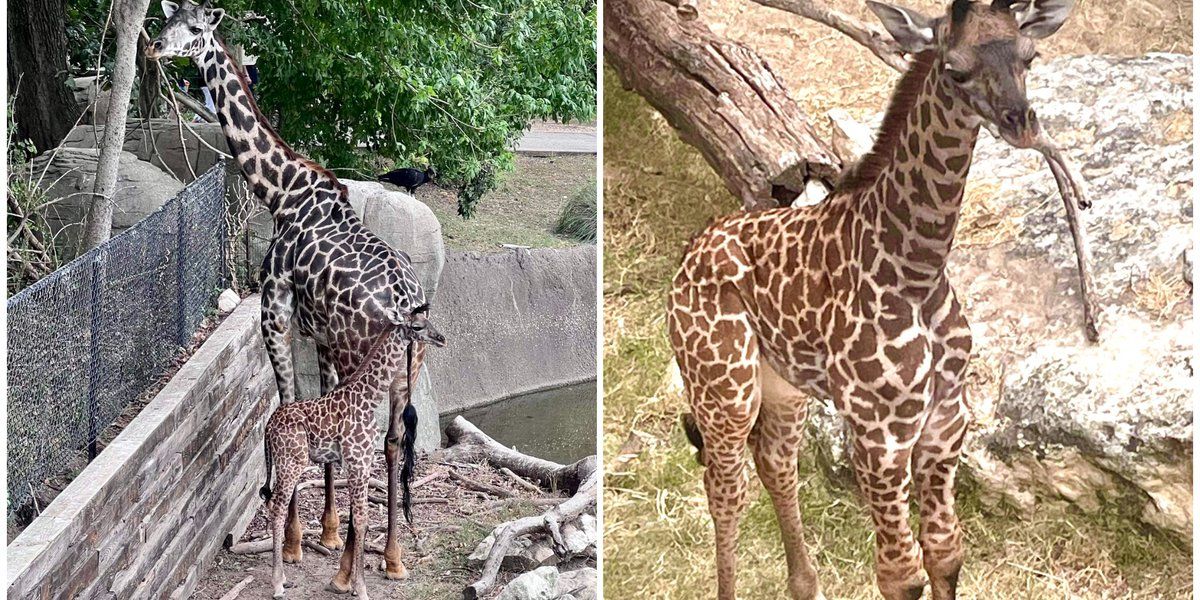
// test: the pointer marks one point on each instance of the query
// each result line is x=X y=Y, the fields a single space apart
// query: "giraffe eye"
x=196 y=30
x=958 y=76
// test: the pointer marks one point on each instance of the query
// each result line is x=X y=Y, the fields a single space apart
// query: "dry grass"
x=658 y=192
x=1158 y=294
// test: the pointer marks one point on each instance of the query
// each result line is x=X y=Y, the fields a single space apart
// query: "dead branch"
x=481 y=486
x=582 y=478
x=520 y=481
x=255 y=547
x=470 y=444
x=721 y=97
x=873 y=38
x=236 y=590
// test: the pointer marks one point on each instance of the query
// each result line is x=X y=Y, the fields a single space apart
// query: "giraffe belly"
x=804 y=368
x=326 y=454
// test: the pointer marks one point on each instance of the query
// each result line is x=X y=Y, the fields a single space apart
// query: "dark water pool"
x=557 y=424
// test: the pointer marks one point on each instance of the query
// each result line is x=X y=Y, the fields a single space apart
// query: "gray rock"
x=580 y=584
x=580 y=534
x=1057 y=419
x=538 y=584
x=227 y=301
x=158 y=141
x=69 y=176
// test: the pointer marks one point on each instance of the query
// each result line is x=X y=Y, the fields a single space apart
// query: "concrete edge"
x=57 y=528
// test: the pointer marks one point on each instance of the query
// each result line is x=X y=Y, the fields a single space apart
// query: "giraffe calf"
x=338 y=428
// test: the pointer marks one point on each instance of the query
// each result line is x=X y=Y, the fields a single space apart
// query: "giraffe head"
x=188 y=31
x=984 y=52
x=417 y=328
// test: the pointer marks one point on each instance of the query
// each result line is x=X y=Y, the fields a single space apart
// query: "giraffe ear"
x=169 y=8
x=215 y=16
x=912 y=30
x=1041 y=18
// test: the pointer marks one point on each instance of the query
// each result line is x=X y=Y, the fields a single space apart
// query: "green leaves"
x=451 y=83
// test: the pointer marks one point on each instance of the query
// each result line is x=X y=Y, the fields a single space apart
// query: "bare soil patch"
x=450 y=521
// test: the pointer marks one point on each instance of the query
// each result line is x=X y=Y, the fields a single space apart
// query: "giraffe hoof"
x=292 y=556
x=396 y=574
x=334 y=542
x=333 y=587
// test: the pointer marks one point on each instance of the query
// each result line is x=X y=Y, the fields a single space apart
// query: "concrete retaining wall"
x=516 y=322
x=147 y=516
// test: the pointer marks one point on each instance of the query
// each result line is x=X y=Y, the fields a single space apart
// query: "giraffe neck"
x=384 y=359
x=913 y=181
x=277 y=175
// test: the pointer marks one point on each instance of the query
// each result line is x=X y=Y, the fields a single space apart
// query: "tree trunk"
x=44 y=107
x=721 y=97
x=127 y=24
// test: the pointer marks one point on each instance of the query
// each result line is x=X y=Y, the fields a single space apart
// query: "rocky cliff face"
x=1104 y=426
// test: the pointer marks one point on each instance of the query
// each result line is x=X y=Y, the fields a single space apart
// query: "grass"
x=578 y=218
x=658 y=192
x=524 y=210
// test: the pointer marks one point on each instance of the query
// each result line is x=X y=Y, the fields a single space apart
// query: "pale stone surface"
x=538 y=584
x=227 y=301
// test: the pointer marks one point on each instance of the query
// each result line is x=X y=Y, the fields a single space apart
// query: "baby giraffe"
x=339 y=428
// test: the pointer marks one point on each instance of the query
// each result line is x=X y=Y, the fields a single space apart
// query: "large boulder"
x=68 y=176
x=159 y=142
x=1107 y=426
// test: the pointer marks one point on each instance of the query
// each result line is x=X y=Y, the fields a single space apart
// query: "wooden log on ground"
x=721 y=97
x=582 y=478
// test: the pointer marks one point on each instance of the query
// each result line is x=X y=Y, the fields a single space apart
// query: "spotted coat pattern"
x=324 y=271
x=848 y=300
x=337 y=428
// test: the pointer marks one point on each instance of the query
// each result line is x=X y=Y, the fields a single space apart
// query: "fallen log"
x=582 y=479
x=721 y=98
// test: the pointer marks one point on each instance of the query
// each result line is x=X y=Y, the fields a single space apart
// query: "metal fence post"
x=94 y=360
x=180 y=288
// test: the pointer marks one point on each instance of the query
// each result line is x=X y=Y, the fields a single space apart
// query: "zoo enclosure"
x=92 y=337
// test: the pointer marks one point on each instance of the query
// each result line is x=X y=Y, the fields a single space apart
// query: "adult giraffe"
x=849 y=299
x=342 y=284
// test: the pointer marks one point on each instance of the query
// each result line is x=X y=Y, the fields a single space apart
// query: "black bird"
x=409 y=179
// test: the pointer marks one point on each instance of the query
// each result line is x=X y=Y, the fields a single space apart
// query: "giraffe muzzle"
x=1019 y=126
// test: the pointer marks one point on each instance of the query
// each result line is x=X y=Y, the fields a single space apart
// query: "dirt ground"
x=658 y=193
x=450 y=521
x=522 y=210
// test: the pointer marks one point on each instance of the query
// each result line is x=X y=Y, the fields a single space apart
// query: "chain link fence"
x=95 y=335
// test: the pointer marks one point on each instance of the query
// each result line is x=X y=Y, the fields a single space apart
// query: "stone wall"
x=146 y=517
x=516 y=322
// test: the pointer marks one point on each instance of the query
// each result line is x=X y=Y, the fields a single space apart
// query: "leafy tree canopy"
x=451 y=83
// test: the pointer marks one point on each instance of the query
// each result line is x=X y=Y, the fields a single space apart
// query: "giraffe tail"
x=265 y=490
x=409 y=441
x=406 y=471
x=688 y=421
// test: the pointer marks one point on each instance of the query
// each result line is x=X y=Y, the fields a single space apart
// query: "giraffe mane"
x=864 y=172
x=288 y=152
x=376 y=347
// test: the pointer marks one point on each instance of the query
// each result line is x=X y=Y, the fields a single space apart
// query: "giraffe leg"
x=721 y=383
x=935 y=462
x=329 y=518
x=775 y=441
x=342 y=581
x=394 y=567
x=883 y=477
x=286 y=478
x=276 y=312
x=292 y=552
